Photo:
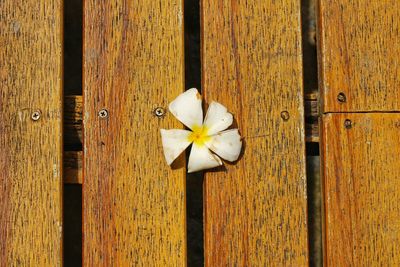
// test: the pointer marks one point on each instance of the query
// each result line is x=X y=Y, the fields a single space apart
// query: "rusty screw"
x=285 y=115
x=159 y=112
x=103 y=113
x=348 y=124
x=36 y=115
x=341 y=98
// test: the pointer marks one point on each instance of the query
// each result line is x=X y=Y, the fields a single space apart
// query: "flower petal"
x=226 y=144
x=174 y=142
x=187 y=108
x=201 y=158
x=217 y=118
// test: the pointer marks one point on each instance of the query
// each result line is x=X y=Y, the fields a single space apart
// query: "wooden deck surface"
x=359 y=55
x=31 y=133
x=361 y=183
x=134 y=203
x=255 y=209
x=359 y=83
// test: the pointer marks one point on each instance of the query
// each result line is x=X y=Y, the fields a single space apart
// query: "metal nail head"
x=285 y=115
x=36 y=115
x=341 y=97
x=103 y=113
x=159 y=112
x=348 y=124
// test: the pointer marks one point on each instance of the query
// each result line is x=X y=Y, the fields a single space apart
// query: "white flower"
x=205 y=136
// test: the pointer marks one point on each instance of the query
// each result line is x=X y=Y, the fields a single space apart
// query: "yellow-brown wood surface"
x=134 y=203
x=30 y=150
x=361 y=182
x=360 y=54
x=255 y=210
x=73 y=132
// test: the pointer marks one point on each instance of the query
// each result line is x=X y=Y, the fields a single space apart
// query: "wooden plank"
x=255 y=210
x=31 y=143
x=360 y=55
x=73 y=133
x=360 y=173
x=134 y=204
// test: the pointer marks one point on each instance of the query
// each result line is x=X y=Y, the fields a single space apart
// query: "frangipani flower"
x=205 y=136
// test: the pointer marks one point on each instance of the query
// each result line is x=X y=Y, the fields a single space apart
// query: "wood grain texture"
x=73 y=105
x=134 y=203
x=255 y=210
x=360 y=54
x=30 y=151
x=73 y=133
x=361 y=182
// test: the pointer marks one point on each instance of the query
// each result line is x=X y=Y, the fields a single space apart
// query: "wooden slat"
x=360 y=54
x=255 y=210
x=311 y=110
x=312 y=130
x=30 y=150
x=73 y=105
x=73 y=167
x=134 y=204
x=361 y=181
x=73 y=133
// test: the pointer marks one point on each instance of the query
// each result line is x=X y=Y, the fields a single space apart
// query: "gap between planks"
x=73 y=132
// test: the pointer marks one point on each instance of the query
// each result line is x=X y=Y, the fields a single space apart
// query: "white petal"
x=174 y=142
x=187 y=108
x=226 y=144
x=201 y=158
x=217 y=118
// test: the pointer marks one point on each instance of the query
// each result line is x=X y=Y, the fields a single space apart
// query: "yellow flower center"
x=199 y=135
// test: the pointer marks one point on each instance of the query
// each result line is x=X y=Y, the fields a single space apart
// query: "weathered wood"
x=31 y=147
x=361 y=181
x=359 y=54
x=255 y=210
x=134 y=204
x=73 y=116
x=73 y=133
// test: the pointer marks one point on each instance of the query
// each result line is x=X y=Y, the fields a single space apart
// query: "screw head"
x=348 y=124
x=285 y=115
x=341 y=97
x=103 y=113
x=159 y=112
x=35 y=116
